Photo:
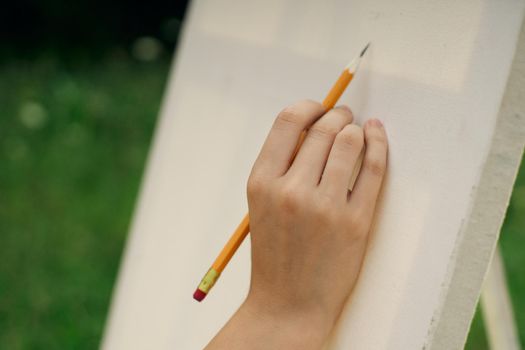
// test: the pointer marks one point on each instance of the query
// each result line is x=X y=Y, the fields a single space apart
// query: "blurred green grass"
x=512 y=245
x=73 y=142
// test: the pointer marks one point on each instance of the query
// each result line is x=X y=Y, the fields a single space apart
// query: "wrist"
x=296 y=328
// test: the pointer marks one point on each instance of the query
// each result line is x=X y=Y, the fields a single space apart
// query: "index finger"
x=278 y=149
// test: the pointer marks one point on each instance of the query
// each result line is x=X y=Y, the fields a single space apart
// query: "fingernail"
x=375 y=122
x=344 y=107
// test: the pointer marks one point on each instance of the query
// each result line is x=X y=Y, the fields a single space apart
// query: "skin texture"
x=308 y=232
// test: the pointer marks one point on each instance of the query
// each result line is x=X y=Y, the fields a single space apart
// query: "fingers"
x=366 y=189
x=341 y=162
x=310 y=161
x=277 y=151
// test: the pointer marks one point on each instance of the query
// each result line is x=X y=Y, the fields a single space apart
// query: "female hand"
x=308 y=232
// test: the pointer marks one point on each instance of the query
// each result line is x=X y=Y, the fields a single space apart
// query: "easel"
x=496 y=307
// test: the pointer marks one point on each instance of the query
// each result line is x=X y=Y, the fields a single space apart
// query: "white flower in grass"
x=32 y=115
x=146 y=48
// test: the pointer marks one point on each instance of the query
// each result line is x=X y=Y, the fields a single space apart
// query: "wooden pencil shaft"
x=338 y=89
x=232 y=245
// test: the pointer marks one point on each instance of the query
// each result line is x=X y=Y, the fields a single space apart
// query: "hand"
x=308 y=232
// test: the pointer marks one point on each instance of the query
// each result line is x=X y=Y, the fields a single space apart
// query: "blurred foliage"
x=512 y=242
x=73 y=143
x=477 y=339
x=80 y=88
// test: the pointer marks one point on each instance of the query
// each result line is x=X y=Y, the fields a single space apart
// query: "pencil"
x=242 y=230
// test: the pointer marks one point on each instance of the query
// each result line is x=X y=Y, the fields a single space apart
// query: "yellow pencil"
x=242 y=230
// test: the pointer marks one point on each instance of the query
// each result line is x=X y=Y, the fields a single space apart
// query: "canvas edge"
x=480 y=231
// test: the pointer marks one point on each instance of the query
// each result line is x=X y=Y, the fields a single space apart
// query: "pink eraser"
x=199 y=295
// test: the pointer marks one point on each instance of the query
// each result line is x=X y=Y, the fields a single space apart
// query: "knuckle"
x=357 y=223
x=289 y=115
x=256 y=186
x=309 y=103
x=325 y=210
x=323 y=131
x=375 y=166
x=351 y=136
x=344 y=112
x=377 y=138
x=290 y=198
x=352 y=220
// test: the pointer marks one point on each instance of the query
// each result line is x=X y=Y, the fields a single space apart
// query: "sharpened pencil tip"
x=364 y=50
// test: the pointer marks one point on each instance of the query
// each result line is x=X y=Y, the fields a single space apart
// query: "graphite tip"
x=364 y=50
